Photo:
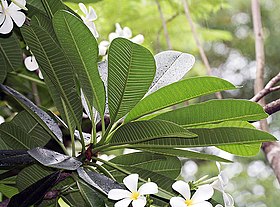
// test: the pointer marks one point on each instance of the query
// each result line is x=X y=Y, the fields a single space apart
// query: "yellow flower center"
x=134 y=195
x=188 y=202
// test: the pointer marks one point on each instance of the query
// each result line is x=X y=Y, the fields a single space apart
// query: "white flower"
x=31 y=63
x=10 y=13
x=203 y=193
x=133 y=195
x=220 y=185
x=2 y=120
x=88 y=19
x=119 y=32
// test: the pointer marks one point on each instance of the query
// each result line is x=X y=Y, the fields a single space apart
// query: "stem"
x=35 y=94
x=39 y=82
x=102 y=169
x=82 y=137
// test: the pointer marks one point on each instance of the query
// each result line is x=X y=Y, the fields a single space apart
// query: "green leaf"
x=57 y=72
x=184 y=153
x=214 y=111
x=82 y=49
x=38 y=114
x=54 y=159
x=177 y=93
x=43 y=21
x=11 y=52
x=31 y=175
x=15 y=137
x=131 y=69
x=3 y=71
x=35 y=7
x=8 y=190
x=251 y=149
x=52 y=6
x=90 y=195
x=140 y=131
x=34 y=130
x=168 y=166
x=212 y=137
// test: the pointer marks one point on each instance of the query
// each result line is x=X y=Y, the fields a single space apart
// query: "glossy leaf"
x=141 y=131
x=82 y=49
x=212 y=137
x=54 y=159
x=184 y=153
x=11 y=53
x=90 y=195
x=8 y=190
x=214 y=111
x=131 y=69
x=98 y=181
x=57 y=72
x=169 y=166
x=14 y=158
x=177 y=93
x=171 y=67
x=38 y=114
x=34 y=193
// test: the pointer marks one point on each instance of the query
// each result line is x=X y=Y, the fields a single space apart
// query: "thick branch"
x=272 y=107
x=198 y=43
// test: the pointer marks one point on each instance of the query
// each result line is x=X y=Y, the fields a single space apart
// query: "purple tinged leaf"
x=54 y=159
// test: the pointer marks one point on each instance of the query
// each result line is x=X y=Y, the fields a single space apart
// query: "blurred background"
x=225 y=30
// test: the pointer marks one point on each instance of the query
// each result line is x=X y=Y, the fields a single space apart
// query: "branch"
x=272 y=107
x=270 y=87
x=163 y=22
x=198 y=43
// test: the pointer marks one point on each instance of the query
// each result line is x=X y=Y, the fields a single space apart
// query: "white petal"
x=118 y=29
x=83 y=8
x=102 y=50
x=139 y=39
x=113 y=36
x=20 y=4
x=91 y=15
x=7 y=26
x=117 y=194
x=148 y=188
x=217 y=185
x=40 y=75
x=177 y=202
x=2 y=18
x=140 y=202
x=127 y=32
x=104 y=43
x=183 y=188
x=219 y=205
x=92 y=28
x=228 y=200
x=123 y=203
x=202 y=204
x=218 y=166
x=203 y=193
x=18 y=17
x=31 y=63
x=131 y=182
x=5 y=5
x=2 y=120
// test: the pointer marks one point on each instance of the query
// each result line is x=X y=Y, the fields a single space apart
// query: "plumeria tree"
x=129 y=100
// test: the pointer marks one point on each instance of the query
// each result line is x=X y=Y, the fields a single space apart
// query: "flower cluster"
x=137 y=196
x=119 y=32
x=11 y=13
